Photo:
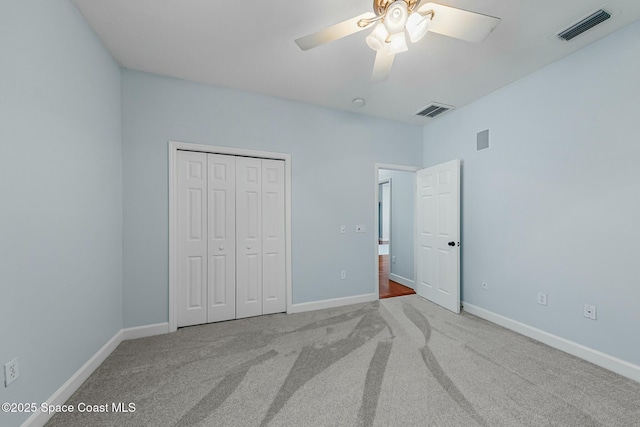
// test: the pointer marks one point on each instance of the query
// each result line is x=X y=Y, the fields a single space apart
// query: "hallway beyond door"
x=389 y=288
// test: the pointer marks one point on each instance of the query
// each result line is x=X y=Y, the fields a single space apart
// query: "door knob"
x=248 y=247
x=451 y=243
x=221 y=248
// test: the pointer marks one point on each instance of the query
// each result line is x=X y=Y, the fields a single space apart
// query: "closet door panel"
x=273 y=237
x=222 y=239
x=248 y=237
x=192 y=238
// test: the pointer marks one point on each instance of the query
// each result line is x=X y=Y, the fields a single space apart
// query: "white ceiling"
x=250 y=46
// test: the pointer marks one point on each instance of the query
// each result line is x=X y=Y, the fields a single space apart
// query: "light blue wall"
x=553 y=205
x=61 y=192
x=402 y=222
x=333 y=156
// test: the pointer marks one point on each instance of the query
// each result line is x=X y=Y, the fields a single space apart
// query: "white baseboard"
x=402 y=280
x=38 y=418
x=596 y=357
x=145 y=331
x=331 y=303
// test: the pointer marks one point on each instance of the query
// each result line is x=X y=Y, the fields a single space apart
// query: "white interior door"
x=437 y=243
x=248 y=237
x=192 y=238
x=273 y=237
x=222 y=237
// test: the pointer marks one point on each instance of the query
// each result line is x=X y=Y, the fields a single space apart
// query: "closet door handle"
x=249 y=247
x=221 y=248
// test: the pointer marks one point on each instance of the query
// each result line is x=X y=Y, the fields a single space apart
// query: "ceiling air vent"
x=584 y=25
x=433 y=110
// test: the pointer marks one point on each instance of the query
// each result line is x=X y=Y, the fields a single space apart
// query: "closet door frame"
x=174 y=147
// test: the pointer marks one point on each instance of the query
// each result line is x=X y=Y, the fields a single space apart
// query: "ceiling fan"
x=394 y=18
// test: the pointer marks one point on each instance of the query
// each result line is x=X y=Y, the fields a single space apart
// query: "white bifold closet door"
x=249 y=236
x=273 y=242
x=221 y=248
x=192 y=238
x=231 y=247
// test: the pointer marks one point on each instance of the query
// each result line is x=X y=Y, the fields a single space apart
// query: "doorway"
x=395 y=217
x=435 y=232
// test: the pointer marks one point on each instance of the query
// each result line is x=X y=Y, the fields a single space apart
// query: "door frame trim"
x=399 y=168
x=174 y=146
x=385 y=181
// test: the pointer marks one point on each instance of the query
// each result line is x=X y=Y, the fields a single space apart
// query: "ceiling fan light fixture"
x=417 y=26
x=390 y=19
x=376 y=40
x=397 y=43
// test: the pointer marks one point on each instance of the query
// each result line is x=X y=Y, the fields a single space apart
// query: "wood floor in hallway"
x=389 y=288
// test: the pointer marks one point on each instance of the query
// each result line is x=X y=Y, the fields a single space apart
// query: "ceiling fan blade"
x=460 y=24
x=334 y=32
x=382 y=66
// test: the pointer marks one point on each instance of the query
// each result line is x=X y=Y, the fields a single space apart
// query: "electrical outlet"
x=542 y=299
x=343 y=229
x=590 y=311
x=393 y=259
x=11 y=372
x=343 y=274
x=361 y=228
x=485 y=286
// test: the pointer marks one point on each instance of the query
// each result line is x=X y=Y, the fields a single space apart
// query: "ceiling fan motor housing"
x=380 y=6
x=396 y=18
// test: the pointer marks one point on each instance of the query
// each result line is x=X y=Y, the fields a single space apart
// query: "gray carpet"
x=398 y=362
